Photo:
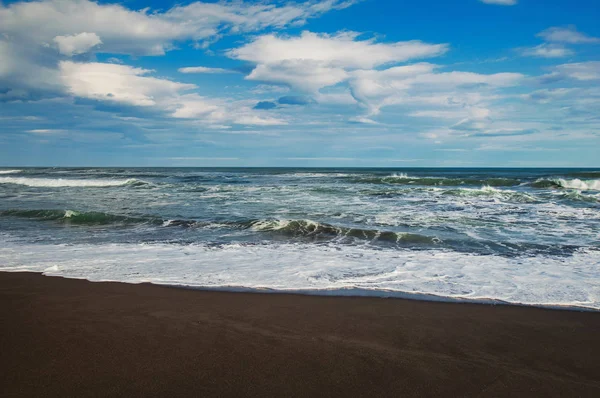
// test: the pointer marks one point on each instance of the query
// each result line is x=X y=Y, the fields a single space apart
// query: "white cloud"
x=545 y=96
x=259 y=121
x=193 y=106
x=305 y=75
x=339 y=50
x=583 y=71
x=132 y=86
x=269 y=89
x=437 y=114
x=547 y=51
x=419 y=84
x=121 y=30
x=149 y=33
x=116 y=83
x=204 y=69
x=312 y=61
x=500 y=2
x=46 y=131
x=566 y=35
x=77 y=44
x=555 y=39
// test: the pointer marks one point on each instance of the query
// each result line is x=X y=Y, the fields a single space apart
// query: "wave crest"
x=56 y=183
x=76 y=217
x=405 y=179
x=314 y=229
x=582 y=185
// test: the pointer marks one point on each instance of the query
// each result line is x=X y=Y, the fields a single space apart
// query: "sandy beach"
x=63 y=337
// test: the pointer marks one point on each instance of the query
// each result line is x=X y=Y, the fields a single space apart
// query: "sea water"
x=520 y=236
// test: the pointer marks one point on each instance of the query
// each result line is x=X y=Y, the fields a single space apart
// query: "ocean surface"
x=521 y=236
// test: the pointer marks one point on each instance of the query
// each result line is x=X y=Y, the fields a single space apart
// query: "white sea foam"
x=47 y=182
x=588 y=185
x=71 y=213
x=315 y=175
x=10 y=171
x=324 y=269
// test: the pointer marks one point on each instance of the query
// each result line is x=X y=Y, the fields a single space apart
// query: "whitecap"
x=46 y=182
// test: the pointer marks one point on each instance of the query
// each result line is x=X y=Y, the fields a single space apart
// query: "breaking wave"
x=308 y=229
x=484 y=191
x=504 y=194
x=54 y=183
x=404 y=179
x=9 y=171
x=582 y=185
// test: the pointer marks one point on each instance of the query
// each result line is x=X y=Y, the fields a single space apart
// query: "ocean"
x=517 y=236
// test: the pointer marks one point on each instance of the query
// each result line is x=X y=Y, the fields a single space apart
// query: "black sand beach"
x=62 y=337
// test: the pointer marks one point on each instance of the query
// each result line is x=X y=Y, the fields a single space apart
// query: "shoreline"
x=66 y=337
x=340 y=292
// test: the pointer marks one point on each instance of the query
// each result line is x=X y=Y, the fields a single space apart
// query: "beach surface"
x=66 y=337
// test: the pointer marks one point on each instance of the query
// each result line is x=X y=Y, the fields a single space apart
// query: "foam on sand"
x=325 y=269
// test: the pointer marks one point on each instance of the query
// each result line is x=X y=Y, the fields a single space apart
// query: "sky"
x=333 y=83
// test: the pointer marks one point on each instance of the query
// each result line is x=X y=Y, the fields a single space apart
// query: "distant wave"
x=77 y=217
x=10 y=171
x=582 y=185
x=316 y=175
x=46 y=182
x=586 y=174
x=404 y=179
x=484 y=191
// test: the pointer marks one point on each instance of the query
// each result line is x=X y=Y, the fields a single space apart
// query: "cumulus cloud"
x=116 y=83
x=77 y=44
x=421 y=84
x=36 y=35
x=142 y=32
x=204 y=69
x=500 y=2
x=568 y=35
x=311 y=61
x=131 y=86
x=339 y=50
x=302 y=74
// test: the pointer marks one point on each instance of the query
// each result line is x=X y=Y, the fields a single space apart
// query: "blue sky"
x=473 y=83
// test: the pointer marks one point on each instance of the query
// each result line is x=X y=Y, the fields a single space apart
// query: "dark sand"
x=62 y=337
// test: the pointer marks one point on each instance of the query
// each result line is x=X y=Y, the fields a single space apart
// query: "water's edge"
x=342 y=292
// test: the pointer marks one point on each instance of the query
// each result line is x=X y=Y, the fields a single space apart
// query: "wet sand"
x=62 y=337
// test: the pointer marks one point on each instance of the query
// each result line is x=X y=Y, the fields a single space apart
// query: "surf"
x=582 y=185
x=70 y=183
